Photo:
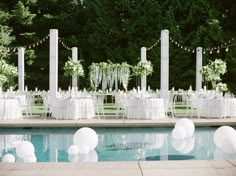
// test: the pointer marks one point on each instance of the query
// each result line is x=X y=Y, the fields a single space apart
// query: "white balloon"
x=86 y=136
x=30 y=158
x=83 y=157
x=73 y=150
x=187 y=124
x=229 y=144
x=221 y=133
x=24 y=148
x=73 y=158
x=178 y=133
x=8 y=158
x=178 y=144
x=93 y=156
x=83 y=149
x=189 y=145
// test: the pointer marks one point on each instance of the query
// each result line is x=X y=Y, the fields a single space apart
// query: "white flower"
x=222 y=87
x=143 y=68
x=7 y=71
x=73 y=68
x=213 y=71
x=3 y=79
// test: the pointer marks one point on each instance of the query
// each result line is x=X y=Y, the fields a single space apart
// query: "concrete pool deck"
x=110 y=121
x=136 y=168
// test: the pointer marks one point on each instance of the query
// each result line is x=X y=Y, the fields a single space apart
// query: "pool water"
x=115 y=144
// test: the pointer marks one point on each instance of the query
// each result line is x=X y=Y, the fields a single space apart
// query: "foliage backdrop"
x=116 y=30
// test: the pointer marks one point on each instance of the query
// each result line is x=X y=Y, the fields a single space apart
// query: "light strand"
x=63 y=44
x=32 y=45
x=179 y=45
x=158 y=41
x=218 y=48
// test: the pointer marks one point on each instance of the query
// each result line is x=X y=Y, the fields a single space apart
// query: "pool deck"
x=110 y=121
x=138 y=168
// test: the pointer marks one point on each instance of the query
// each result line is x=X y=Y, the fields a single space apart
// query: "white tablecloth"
x=10 y=141
x=78 y=108
x=217 y=107
x=10 y=109
x=145 y=108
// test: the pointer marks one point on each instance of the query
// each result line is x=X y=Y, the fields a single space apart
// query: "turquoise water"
x=115 y=144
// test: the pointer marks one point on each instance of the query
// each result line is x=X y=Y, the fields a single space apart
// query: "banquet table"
x=145 y=108
x=73 y=108
x=10 y=109
x=217 y=107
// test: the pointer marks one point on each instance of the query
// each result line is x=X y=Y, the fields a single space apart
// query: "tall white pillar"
x=198 y=69
x=21 y=69
x=53 y=70
x=74 y=58
x=144 y=77
x=164 y=64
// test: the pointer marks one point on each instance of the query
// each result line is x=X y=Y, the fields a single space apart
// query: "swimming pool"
x=115 y=144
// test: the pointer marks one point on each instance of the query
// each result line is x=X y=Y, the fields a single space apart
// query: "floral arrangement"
x=73 y=68
x=213 y=71
x=142 y=68
x=3 y=79
x=222 y=87
x=7 y=72
x=108 y=75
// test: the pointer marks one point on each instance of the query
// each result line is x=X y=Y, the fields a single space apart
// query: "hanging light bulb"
x=211 y=52
x=204 y=52
x=193 y=51
x=227 y=49
x=218 y=51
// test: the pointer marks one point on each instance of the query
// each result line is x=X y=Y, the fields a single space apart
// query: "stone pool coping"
x=111 y=122
x=135 y=168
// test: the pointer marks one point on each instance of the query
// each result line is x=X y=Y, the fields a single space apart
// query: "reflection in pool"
x=115 y=144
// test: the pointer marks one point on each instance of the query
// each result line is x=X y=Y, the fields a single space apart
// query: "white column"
x=21 y=69
x=198 y=69
x=74 y=58
x=53 y=70
x=144 y=77
x=164 y=64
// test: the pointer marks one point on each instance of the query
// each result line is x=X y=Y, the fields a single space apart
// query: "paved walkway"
x=111 y=122
x=142 y=168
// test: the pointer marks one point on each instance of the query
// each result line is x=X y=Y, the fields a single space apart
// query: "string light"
x=33 y=45
x=179 y=45
x=158 y=41
x=220 y=47
x=63 y=44
x=212 y=50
